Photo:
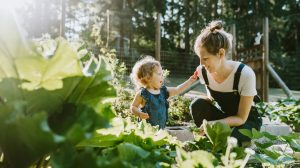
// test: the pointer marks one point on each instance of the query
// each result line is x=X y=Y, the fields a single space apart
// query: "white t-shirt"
x=247 y=83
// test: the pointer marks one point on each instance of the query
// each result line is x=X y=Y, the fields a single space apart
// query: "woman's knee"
x=199 y=105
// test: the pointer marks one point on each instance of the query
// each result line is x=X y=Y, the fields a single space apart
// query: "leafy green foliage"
x=124 y=95
x=21 y=134
x=47 y=101
x=130 y=144
x=197 y=158
x=179 y=112
x=219 y=151
x=266 y=153
x=286 y=110
x=217 y=133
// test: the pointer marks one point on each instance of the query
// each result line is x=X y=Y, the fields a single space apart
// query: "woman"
x=229 y=83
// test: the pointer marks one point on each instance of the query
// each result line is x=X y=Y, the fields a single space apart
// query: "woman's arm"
x=134 y=107
x=242 y=115
x=248 y=85
x=182 y=87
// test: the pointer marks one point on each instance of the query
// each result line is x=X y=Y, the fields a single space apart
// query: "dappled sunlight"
x=15 y=4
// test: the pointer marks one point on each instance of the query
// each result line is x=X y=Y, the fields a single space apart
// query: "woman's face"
x=156 y=80
x=209 y=61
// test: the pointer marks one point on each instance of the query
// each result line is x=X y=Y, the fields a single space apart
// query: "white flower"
x=249 y=151
x=45 y=46
x=82 y=53
x=232 y=155
x=232 y=141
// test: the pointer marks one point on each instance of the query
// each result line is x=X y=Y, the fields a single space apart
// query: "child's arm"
x=182 y=87
x=134 y=108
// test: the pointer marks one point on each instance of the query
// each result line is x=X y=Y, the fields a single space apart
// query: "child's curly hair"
x=143 y=70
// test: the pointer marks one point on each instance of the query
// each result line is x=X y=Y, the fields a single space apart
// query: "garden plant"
x=66 y=104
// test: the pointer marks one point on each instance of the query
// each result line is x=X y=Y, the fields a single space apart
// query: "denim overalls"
x=156 y=106
x=229 y=103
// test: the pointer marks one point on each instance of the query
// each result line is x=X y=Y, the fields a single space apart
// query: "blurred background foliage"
x=129 y=26
x=181 y=21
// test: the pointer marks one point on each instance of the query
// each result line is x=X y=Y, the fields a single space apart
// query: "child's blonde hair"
x=143 y=70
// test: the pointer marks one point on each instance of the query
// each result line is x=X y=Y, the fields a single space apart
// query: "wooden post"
x=63 y=19
x=107 y=20
x=265 y=59
x=157 y=37
x=233 y=50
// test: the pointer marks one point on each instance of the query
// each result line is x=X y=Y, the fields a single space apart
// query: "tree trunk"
x=63 y=19
x=157 y=37
x=187 y=26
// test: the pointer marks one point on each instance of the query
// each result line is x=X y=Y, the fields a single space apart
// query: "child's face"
x=156 y=80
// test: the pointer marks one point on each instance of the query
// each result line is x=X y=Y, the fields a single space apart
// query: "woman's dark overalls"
x=229 y=103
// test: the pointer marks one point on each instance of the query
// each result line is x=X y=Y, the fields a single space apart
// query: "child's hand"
x=143 y=115
x=195 y=76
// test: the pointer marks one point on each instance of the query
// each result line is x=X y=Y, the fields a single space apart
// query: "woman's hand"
x=201 y=130
x=143 y=115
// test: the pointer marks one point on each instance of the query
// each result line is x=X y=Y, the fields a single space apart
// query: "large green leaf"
x=76 y=121
x=263 y=158
x=38 y=72
x=69 y=157
x=131 y=152
x=92 y=90
x=292 y=140
x=101 y=141
x=217 y=134
x=25 y=139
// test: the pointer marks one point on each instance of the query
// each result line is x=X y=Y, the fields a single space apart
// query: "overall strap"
x=204 y=74
x=237 y=76
x=145 y=94
x=165 y=92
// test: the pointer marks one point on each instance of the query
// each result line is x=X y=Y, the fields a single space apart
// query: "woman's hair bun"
x=215 y=25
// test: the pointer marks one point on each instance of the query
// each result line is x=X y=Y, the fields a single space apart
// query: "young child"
x=150 y=101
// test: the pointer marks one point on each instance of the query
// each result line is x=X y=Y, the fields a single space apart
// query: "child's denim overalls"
x=156 y=106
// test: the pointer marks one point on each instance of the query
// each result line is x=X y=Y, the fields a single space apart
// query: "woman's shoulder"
x=247 y=71
x=247 y=84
